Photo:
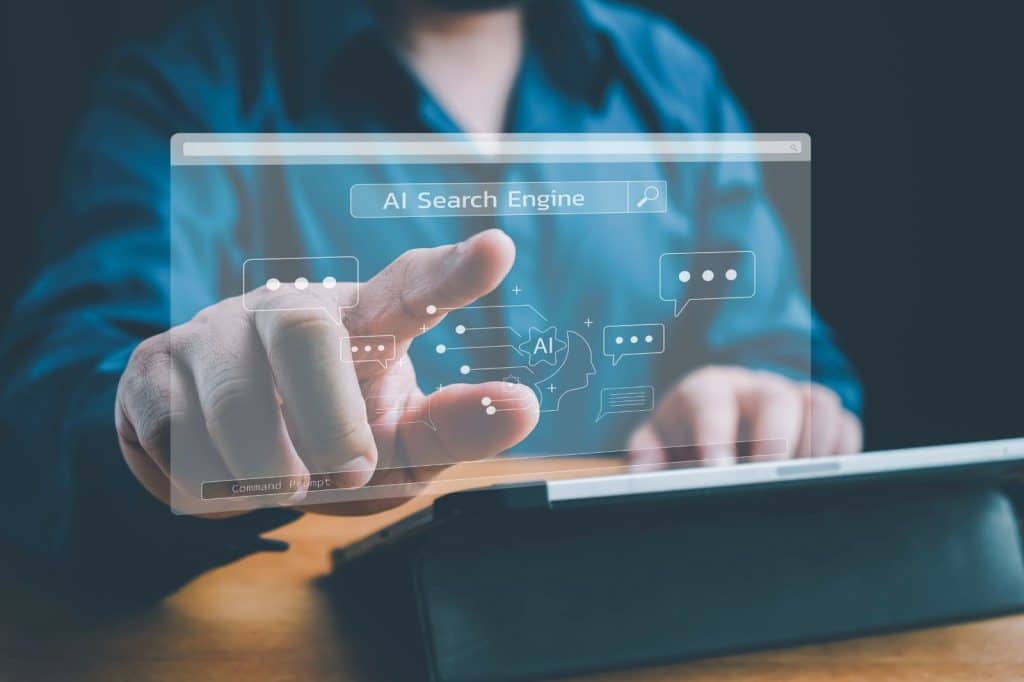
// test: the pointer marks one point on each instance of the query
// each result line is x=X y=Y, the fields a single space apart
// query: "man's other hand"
x=712 y=410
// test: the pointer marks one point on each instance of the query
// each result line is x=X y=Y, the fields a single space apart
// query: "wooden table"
x=265 y=618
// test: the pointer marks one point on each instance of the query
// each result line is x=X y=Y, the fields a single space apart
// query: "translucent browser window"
x=638 y=260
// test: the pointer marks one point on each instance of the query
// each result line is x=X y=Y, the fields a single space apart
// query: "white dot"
x=618 y=339
x=367 y=348
x=380 y=347
x=431 y=309
x=273 y=284
x=485 y=401
x=460 y=329
x=707 y=275
x=730 y=274
x=684 y=276
x=649 y=338
x=464 y=369
x=633 y=339
x=301 y=283
x=355 y=349
x=440 y=348
x=329 y=282
x=490 y=409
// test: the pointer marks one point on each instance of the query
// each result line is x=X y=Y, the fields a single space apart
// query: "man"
x=91 y=339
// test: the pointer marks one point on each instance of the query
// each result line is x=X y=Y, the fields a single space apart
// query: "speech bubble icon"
x=621 y=340
x=379 y=348
x=386 y=409
x=278 y=284
x=620 y=399
x=706 y=276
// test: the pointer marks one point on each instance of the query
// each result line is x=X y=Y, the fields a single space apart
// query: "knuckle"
x=151 y=354
x=705 y=374
x=154 y=429
x=408 y=258
x=144 y=396
x=223 y=401
x=207 y=315
x=697 y=382
x=147 y=374
x=823 y=398
x=772 y=386
x=704 y=387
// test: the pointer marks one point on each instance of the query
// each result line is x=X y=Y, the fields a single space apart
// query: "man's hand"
x=277 y=391
x=717 y=407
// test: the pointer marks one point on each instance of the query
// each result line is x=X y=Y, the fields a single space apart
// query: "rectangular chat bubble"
x=379 y=348
x=621 y=399
x=621 y=340
x=706 y=276
x=306 y=277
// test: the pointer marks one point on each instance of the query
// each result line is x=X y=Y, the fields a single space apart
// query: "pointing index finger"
x=421 y=285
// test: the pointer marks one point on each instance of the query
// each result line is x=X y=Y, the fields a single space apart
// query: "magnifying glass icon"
x=651 y=193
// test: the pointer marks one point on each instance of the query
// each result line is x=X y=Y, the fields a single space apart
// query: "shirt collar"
x=570 y=45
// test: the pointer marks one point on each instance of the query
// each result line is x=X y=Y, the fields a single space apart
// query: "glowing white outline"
x=349 y=341
x=541 y=332
x=558 y=403
x=601 y=414
x=336 y=320
x=677 y=311
x=617 y=357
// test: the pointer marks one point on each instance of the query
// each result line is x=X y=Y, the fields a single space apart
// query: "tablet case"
x=515 y=590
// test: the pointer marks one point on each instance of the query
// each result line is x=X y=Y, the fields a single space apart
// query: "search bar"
x=488 y=147
x=453 y=199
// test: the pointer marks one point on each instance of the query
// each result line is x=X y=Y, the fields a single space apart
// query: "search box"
x=447 y=199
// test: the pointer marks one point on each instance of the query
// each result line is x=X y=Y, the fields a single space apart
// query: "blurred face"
x=457 y=5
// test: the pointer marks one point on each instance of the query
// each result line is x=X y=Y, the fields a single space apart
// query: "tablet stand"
x=502 y=594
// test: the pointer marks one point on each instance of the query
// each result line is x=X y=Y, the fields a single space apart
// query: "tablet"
x=995 y=460
x=991 y=456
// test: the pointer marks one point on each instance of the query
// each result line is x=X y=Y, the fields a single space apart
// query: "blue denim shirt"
x=589 y=66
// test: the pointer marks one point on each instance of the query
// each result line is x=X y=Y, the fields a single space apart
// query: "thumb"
x=469 y=422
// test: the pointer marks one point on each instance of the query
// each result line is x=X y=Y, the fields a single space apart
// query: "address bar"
x=308 y=148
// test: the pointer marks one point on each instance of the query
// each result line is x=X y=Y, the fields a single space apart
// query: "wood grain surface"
x=265 y=618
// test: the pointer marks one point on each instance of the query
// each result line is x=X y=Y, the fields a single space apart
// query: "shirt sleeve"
x=71 y=504
x=780 y=331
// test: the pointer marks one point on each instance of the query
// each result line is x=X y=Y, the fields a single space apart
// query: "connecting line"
x=509 y=305
x=500 y=345
x=495 y=369
x=481 y=329
x=521 y=402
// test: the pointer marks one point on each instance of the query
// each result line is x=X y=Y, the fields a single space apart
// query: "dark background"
x=913 y=110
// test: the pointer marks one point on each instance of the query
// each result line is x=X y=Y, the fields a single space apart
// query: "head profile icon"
x=572 y=374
